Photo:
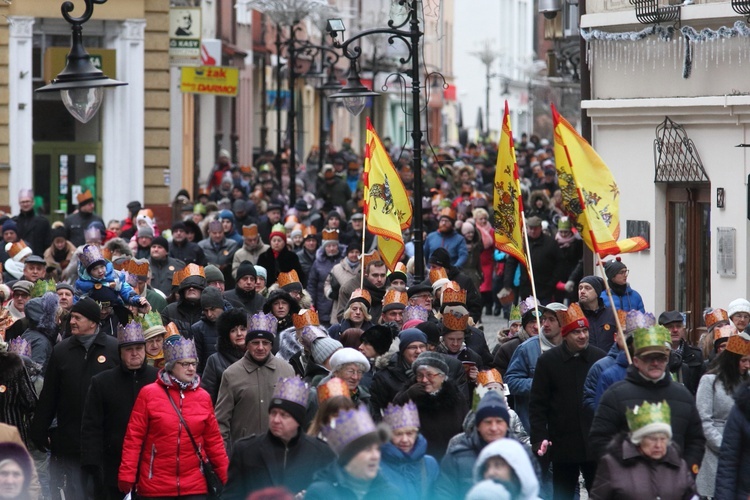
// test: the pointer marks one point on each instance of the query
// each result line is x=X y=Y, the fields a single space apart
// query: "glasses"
x=418 y=347
x=426 y=376
x=624 y=272
x=187 y=364
x=353 y=372
x=655 y=358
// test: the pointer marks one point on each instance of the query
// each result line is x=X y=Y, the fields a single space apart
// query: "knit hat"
x=409 y=336
x=379 y=337
x=10 y=225
x=226 y=214
x=87 y=308
x=596 y=282
x=492 y=405
x=33 y=310
x=738 y=305
x=65 y=286
x=145 y=231
x=432 y=359
x=613 y=267
x=211 y=298
x=323 y=348
x=246 y=268
x=213 y=274
x=278 y=230
x=261 y=272
x=161 y=241
x=290 y=395
x=440 y=257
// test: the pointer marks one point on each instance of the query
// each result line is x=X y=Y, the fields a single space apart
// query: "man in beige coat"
x=247 y=385
x=251 y=249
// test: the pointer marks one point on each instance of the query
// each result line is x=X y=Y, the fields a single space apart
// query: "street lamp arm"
x=407 y=37
x=68 y=7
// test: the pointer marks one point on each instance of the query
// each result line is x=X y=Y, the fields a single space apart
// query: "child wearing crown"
x=95 y=272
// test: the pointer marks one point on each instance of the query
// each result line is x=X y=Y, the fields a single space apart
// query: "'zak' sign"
x=221 y=81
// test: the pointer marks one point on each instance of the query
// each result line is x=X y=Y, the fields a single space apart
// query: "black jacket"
x=556 y=410
x=252 y=302
x=34 y=230
x=687 y=366
x=733 y=472
x=205 y=336
x=189 y=253
x=184 y=314
x=285 y=262
x=602 y=326
x=263 y=461
x=110 y=399
x=687 y=430
x=162 y=272
x=548 y=266
x=333 y=483
x=66 y=384
x=387 y=383
x=76 y=224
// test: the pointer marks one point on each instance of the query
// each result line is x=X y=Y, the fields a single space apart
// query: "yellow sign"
x=212 y=80
x=55 y=59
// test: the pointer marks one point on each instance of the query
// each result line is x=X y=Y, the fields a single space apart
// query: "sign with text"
x=55 y=59
x=185 y=36
x=221 y=81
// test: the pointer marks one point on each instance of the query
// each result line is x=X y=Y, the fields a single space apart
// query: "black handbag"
x=213 y=482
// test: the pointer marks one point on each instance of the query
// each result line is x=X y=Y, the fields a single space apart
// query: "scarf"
x=546 y=344
x=564 y=242
x=179 y=383
x=60 y=255
x=620 y=290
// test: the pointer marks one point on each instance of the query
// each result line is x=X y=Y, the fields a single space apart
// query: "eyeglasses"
x=624 y=272
x=353 y=372
x=427 y=376
x=187 y=364
x=655 y=358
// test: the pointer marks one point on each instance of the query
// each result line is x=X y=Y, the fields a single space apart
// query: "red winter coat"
x=159 y=447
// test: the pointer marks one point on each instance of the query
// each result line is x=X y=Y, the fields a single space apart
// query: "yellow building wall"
x=5 y=10
x=114 y=9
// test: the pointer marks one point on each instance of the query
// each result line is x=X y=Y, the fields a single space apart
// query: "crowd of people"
x=253 y=349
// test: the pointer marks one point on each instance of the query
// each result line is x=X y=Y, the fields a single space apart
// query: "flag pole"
x=614 y=310
x=362 y=267
x=530 y=268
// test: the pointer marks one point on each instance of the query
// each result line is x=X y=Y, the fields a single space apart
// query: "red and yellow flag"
x=589 y=192
x=387 y=206
x=507 y=215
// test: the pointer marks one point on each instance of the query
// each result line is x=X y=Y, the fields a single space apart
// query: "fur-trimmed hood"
x=304 y=303
x=119 y=246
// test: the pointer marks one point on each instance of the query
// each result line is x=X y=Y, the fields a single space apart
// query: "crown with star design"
x=292 y=389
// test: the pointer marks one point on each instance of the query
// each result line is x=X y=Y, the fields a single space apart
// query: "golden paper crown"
x=250 y=231
x=17 y=247
x=306 y=317
x=447 y=212
x=453 y=296
x=622 y=316
x=647 y=413
x=361 y=295
x=455 y=321
x=120 y=263
x=713 y=316
x=285 y=279
x=571 y=318
x=189 y=270
x=137 y=267
x=107 y=253
x=438 y=273
x=400 y=268
x=309 y=230
x=334 y=387
x=394 y=296
x=370 y=257
x=85 y=196
x=738 y=345
x=724 y=332
x=171 y=329
x=488 y=376
x=330 y=235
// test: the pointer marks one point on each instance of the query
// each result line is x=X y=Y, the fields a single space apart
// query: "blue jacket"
x=519 y=376
x=628 y=302
x=610 y=376
x=454 y=243
x=414 y=474
x=114 y=279
x=592 y=379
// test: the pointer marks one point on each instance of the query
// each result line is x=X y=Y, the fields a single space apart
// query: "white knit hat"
x=738 y=305
x=637 y=435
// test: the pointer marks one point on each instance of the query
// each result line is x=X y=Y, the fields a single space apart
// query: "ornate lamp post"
x=80 y=84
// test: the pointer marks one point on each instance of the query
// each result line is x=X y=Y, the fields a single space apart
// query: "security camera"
x=550 y=8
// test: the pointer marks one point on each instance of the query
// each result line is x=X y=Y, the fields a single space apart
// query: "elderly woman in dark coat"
x=231 y=328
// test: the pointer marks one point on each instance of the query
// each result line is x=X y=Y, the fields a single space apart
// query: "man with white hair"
x=32 y=228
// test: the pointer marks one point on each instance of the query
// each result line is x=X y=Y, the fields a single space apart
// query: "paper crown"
x=130 y=279
x=41 y=287
x=107 y=253
x=724 y=331
x=447 y=212
x=453 y=296
x=738 y=345
x=635 y=319
x=454 y=321
x=262 y=323
x=348 y=426
x=278 y=228
x=373 y=256
x=400 y=268
x=438 y=273
x=310 y=334
x=179 y=348
x=120 y=263
x=250 y=231
x=92 y=234
x=150 y=320
x=292 y=389
x=713 y=316
x=309 y=231
x=85 y=196
x=571 y=318
x=515 y=315
x=415 y=312
x=289 y=278
x=172 y=331
x=654 y=337
x=132 y=333
x=20 y=346
x=18 y=250
x=137 y=267
x=528 y=304
x=215 y=226
x=330 y=235
x=332 y=388
x=189 y=270
x=361 y=295
x=90 y=255
x=395 y=297
x=401 y=417
x=647 y=413
x=488 y=376
x=304 y=318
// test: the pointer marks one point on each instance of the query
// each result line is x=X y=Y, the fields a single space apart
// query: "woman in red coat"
x=158 y=458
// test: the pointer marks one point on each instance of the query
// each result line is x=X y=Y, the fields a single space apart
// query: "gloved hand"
x=124 y=486
x=560 y=286
x=570 y=286
x=503 y=293
x=543 y=448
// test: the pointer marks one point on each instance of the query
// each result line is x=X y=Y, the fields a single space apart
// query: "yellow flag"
x=507 y=219
x=590 y=193
x=387 y=206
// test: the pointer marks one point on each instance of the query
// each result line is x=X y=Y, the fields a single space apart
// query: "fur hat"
x=379 y=337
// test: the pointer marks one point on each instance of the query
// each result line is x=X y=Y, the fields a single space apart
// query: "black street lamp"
x=331 y=86
x=355 y=95
x=80 y=84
